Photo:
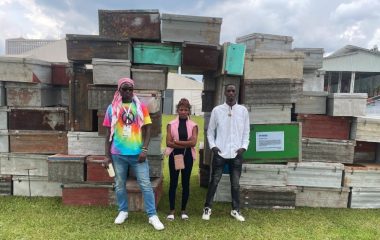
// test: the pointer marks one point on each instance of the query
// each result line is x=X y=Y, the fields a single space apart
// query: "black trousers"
x=235 y=166
x=185 y=174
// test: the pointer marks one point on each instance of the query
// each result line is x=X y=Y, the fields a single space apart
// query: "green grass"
x=47 y=218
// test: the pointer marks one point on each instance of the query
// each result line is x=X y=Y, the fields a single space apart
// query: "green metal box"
x=274 y=143
x=233 y=59
x=157 y=53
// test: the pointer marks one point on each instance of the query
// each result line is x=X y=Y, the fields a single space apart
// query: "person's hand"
x=240 y=151
x=142 y=157
x=107 y=161
x=216 y=150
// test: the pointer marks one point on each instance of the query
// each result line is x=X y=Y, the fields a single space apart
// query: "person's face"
x=230 y=93
x=126 y=91
x=183 y=112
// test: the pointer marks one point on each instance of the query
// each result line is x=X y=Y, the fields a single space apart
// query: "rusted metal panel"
x=313 y=57
x=135 y=199
x=66 y=168
x=364 y=175
x=199 y=58
x=85 y=143
x=19 y=163
x=109 y=71
x=322 y=197
x=347 y=104
x=95 y=169
x=268 y=197
x=62 y=74
x=88 y=194
x=366 y=129
x=323 y=126
x=48 y=118
x=266 y=42
x=365 y=197
x=365 y=152
x=185 y=28
x=6 y=185
x=37 y=141
x=132 y=24
x=27 y=70
x=148 y=77
x=327 y=150
x=86 y=47
x=39 y=186
x=312 y=103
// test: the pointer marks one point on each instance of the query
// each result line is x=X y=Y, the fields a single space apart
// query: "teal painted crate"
x=157 y=53
x=233 y=59
x=274 y=143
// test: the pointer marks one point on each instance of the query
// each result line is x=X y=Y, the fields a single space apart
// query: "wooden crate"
x=39 y=186
x=85 y=143
x=2 y=94
x=62 y=74
x=150 y=77
x=362 y=176
x=266 y=42
x=233 y=59
x=365 y=152
x=186 y=28
x=315 y=174
x=273 y=65
x=322 y=197
x=156 y=166
x=95 y=170
x=47 y=118
x=313 y=57
x=4 y=118
x=366 y=129
x=18 y=164
x=273 y=91
x=347 y=104
x=86 y=47
x=268 y=197
x=327 y=150
x=90 y=194
x=264 y=175
x=154 y=147
x=269 y=113
x=364 y=197
x=133 y=24
x=4 y=141
x=66 y=168
x=314 y=80
x=168 y=54
x=312 y=103
x=6 y=185
x=109 y=71
x=37 y=141
x=25 y=70
x=199 y=58
x=135 y=199
x=323 y=126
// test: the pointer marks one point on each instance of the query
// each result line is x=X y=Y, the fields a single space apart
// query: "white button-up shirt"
x=229 y=129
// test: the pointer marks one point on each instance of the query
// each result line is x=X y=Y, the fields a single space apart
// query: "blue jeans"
x=121 y=164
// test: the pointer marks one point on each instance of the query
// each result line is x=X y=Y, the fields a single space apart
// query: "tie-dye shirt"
x=127 y=145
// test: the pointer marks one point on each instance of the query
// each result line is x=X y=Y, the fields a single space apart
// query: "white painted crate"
x=366 y=129
x=18 y=163
x=347 y=104
x=39 y=186
x=312 y=103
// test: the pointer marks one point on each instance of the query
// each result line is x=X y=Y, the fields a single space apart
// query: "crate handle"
x=295 y=166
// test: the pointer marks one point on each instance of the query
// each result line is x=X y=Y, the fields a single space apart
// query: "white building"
x=15 y=46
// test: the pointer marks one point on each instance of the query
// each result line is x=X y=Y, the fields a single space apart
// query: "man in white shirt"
x=228 y=136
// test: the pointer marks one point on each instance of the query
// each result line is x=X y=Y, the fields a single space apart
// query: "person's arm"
x=145 y=131
x=192 y=141
x=211 y=132
x=245 y=140
x=107 y=146
x=170 y=142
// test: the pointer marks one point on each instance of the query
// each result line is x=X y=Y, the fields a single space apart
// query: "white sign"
x=269 y=141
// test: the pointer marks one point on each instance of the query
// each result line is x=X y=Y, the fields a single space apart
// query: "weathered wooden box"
x=6 y=185
x=264 y=175
x=315 y=174
x=86 y=47
x=133 y=24
x=4 y=141
x=322 y=197
x=135 y=199
x=66 y=168
x=62 y=74
x=274 y=143
x=199 y=58
x=347 y=104
x=150 y=77
x=366 y=176
x=313 y=57
x=327 y=150
x=364 y=197
x=4 y=118
x=314 y=80
x=100 y=97
x=312 y=103
x=365 y=152
x=233 y=59
x=266 y=42
x=157 y=53
x=323 y=126
x=90 y=194
x=366 y=129
x=273 y=65
x=109 y=71
x=39 y=186
x=18 y=164
x=269 y=113
x=95 y=169
x=31 y=95
x=185 y=28
x=85 y=143
x=27 y=70
x=156 y=165
x=272 y=91
x=37 y=141
x=268 y=197
x=47 y=118
x=154 y=147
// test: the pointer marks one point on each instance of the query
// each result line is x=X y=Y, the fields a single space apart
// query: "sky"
x=328 y=24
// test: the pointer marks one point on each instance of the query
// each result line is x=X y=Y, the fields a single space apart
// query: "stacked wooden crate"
x=34 y=123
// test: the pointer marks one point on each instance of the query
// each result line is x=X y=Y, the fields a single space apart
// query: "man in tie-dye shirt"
x=128 y=126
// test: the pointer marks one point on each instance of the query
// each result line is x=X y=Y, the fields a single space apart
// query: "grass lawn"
x=47 y=218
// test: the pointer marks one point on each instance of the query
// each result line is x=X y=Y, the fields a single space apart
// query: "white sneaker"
x=121 y=217
x=206 y=213
x=237 y=216
x=155 y=221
